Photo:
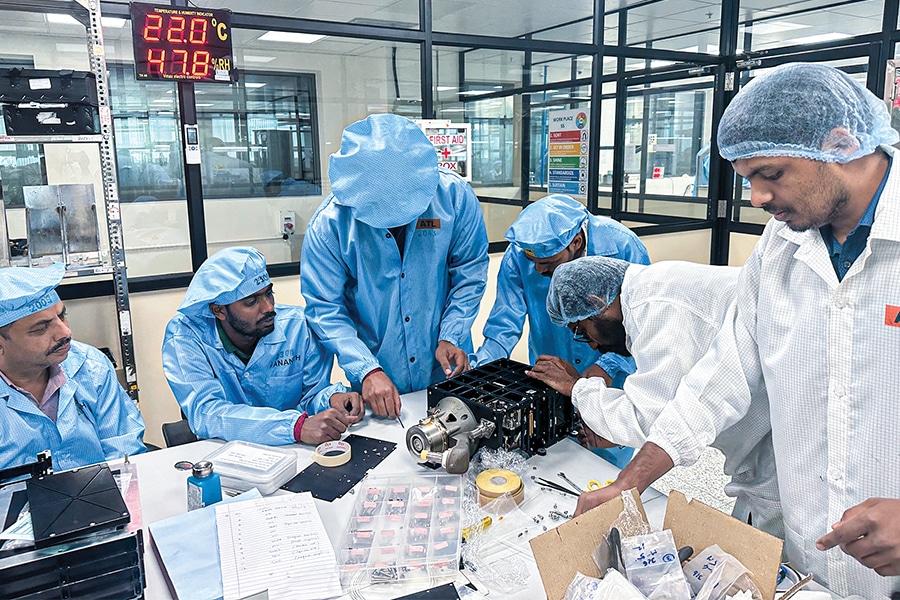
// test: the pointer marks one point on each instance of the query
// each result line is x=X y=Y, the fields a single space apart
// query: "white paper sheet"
x=277 y=544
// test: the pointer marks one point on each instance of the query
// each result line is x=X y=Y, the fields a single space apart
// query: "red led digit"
x=176 y=29
x=152 y=27
x=200 y=64
x=156 y=58
x=197 y=34
x=179 y=62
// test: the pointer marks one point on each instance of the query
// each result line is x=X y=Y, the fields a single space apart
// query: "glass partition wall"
x=650 y=77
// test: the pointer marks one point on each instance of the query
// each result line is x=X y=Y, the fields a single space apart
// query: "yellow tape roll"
x=332 y=454
x=493 y=483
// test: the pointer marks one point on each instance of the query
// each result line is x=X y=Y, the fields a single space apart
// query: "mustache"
x=59 y=346
x=268 y=315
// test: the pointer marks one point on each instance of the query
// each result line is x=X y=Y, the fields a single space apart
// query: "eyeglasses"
x=580 y=336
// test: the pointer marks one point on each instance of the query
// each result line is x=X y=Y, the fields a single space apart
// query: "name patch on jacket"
x=428 y=224
x=892 y=315
x=283 y=362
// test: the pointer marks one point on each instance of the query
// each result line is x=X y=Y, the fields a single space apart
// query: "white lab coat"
x=828 y=354
x=672 y=312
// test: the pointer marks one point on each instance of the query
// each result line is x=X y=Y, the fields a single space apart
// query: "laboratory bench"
x=163 y=494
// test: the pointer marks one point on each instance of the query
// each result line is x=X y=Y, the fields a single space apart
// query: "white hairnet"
x=804 y=110
x=386 y=171
x=584 y=287
x=27 y=290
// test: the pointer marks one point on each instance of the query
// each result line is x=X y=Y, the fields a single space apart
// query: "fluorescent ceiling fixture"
x=254 y=85
x=560 y=95
x=474 y=92
x=290 y=36
x=654 y=64
x=453 y=110
x=113 y=22
x=204 y=105
x=62 y=19
x=446 y=88
x=823 y=37
x=775 y=27
x=71 y=48
x=258 y=59
x=166 y=101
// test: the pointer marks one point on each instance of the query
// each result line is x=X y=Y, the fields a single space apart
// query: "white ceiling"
x=671 y=23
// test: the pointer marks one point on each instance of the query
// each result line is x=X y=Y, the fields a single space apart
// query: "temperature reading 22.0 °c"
x=178 y=44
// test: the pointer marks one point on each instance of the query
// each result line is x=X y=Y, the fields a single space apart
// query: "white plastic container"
x=244 y=465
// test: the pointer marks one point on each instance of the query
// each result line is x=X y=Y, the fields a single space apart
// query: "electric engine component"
x=448 y=436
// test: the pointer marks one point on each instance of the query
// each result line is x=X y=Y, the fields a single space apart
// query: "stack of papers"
x=248 y=545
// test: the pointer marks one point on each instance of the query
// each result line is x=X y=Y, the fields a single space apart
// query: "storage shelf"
x=51 y=139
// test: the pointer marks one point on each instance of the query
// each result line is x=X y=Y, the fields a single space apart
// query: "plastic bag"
x=492 y=553
x=701 y=567
x=652 y=565
x=613 y=586
x=729 y=579
x=630 y=522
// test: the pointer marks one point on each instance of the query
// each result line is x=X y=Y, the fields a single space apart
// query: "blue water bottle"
x=203 y=486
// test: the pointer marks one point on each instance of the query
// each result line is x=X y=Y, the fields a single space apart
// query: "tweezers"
x=555 y=486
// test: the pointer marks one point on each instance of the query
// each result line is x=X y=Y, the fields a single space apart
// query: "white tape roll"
x=332 y=454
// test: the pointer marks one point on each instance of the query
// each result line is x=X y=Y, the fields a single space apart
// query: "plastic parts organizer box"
x=403 y=528
x=245 y=465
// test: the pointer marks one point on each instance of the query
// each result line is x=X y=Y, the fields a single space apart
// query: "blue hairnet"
x=386 y=171
x=805 y=111
x=225 y=277
x=549 y=225
x=25 y=291
x=584 y=287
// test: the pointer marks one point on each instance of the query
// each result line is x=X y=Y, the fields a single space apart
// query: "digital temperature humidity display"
x=181 y=44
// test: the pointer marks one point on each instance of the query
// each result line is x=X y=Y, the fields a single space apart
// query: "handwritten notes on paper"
x=277 y=544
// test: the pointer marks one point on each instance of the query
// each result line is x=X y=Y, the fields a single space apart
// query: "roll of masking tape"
x=332 y=454
x=493 y=483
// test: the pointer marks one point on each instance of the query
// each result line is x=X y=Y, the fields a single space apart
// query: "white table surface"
x=163 y=493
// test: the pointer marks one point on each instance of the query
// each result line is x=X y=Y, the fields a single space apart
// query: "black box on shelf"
x=528 y=414
x=107 y=565
x=50 y=119
x=19 y=85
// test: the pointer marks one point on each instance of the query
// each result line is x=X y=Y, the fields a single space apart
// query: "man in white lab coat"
x=816 y=326
x=665 y=315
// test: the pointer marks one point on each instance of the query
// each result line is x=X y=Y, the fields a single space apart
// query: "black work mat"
x=329 y=483
x=442 y=592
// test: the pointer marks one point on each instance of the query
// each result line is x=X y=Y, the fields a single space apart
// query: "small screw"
x=555 y=506
x=545 y=528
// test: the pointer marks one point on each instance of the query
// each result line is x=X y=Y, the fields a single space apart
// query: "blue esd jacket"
x=373 y=308
x=288 y=373
x=96 y=421
x=522 y=291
